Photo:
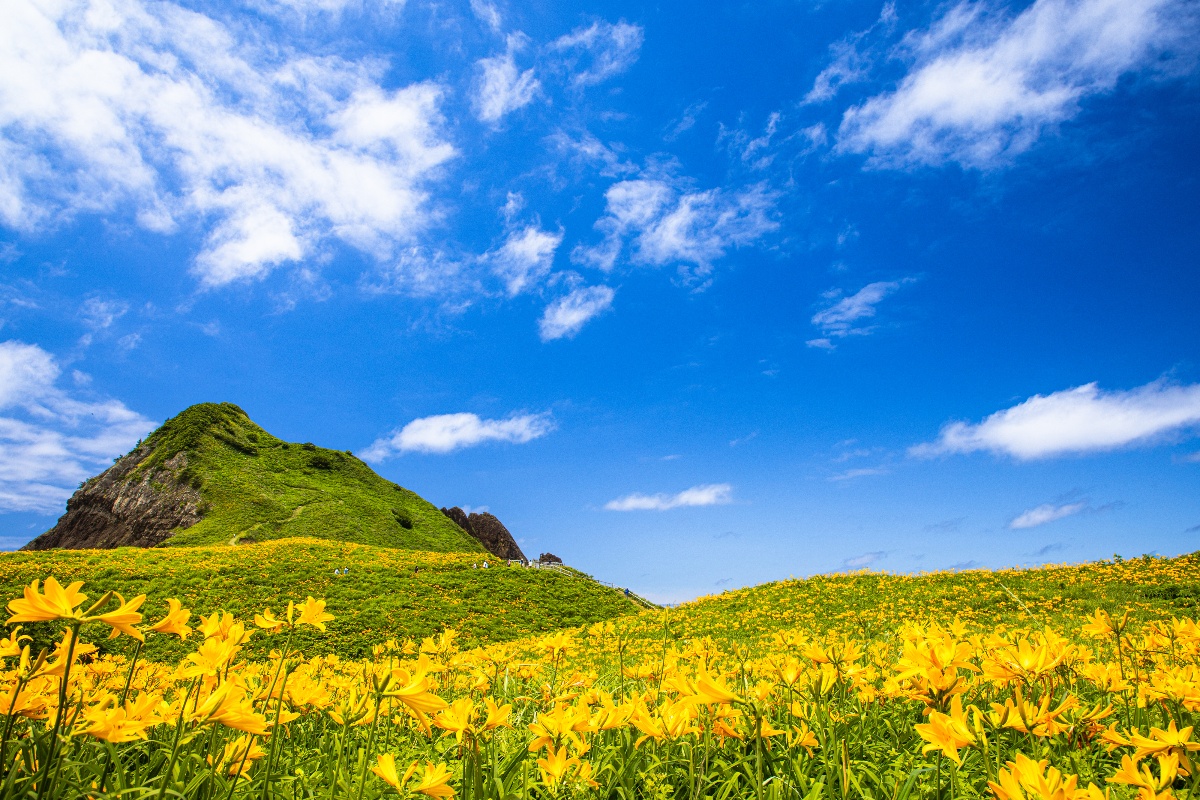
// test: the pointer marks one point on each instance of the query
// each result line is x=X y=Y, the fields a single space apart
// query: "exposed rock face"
x=549 y=558
x=117 y=509
x=488 y=531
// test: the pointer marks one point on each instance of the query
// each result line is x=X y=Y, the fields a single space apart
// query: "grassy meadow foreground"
x=1070 y=683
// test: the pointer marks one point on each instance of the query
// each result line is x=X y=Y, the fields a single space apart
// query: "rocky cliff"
x=488 y=531
x=121 y=508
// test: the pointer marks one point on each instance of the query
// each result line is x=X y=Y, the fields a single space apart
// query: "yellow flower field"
x=900 y=699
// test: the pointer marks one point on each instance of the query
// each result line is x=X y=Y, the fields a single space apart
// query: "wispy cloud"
x=1080 y=420
x=502 y=87
x=845 y=315
x=595 y=53
x=984 y=85
x=861 y=472
x=668 y=226
x=525 y=257
x=1047 y=512
x=865 y=560
x=711 y=494
x=445 y=433
x=273 y=153
x=51 y=439
x=567 y=315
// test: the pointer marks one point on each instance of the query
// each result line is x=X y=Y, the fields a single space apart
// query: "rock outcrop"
x=120 y=508
x=488 y=531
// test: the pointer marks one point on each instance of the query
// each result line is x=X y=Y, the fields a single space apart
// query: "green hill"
x=210 y=475
x=870 y=605
x=387 y=593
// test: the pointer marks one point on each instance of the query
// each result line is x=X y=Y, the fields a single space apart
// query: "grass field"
x=386 y=594
x=1066 y=683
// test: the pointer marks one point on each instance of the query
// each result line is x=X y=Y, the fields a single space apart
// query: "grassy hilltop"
x=254 y=484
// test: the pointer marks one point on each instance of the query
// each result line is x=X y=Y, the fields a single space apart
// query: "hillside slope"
x=868 y=605
x=210 y=475
x=386 y=593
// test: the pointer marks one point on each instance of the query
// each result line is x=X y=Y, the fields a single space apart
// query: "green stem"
x=362 y=778
x=62 y=711
x=162 y=789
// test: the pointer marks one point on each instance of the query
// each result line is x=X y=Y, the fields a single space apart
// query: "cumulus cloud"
x=711 y=494
x=598 y=52
x=162 y=111
x=502 y=87
x=844 y=316
x=983 y=85
x=567 y=315
x=1084 y=419
x=667 y=226
x=445 y=433
x=50 y=439
x=525 y=258
x=1047 y=512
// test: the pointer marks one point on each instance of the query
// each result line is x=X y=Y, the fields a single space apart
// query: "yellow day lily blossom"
x=225 y=705
x=497 y=716
x=1149 y=787
x=124 y=617
x=213 y=656
x=1163 y=742
x=434 y=781
x=175 y=622
x=713 y=690
x=239 y=756
x=385 y=768
x=125 y=724
x=802 y=737
x=414 y=692
x=555 y=765
x=56 y=603
x=312 y=612
x=550 y=729
x=11 y=644
x=1026 y=779
x=457 y=718
x=948 y=733
x=268 y=622
x=1099 y=624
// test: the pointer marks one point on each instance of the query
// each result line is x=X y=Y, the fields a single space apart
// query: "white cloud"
x=161 y=111
x=667 y=226
x=99 y=314
x=444 y=433
x=50 y=440
x=567 y=315
x=525 y=258
x=984 y=86
x=839 y=320
x=710 y=494
x=860 y=472
x=865 y=560
x=600 y=51
x=1080 y=420
x=1044 y=513
x=488 y=14
x=502 y=87
x=590 y=149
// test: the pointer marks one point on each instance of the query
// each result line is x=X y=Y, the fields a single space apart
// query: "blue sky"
x=692 y=296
